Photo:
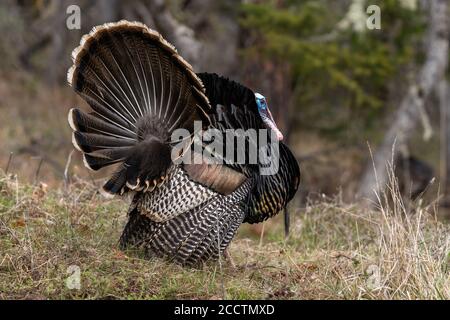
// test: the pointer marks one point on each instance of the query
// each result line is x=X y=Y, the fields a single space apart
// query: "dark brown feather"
x=218 y=177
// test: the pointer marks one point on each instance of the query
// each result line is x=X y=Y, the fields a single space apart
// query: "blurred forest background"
x=335 y=87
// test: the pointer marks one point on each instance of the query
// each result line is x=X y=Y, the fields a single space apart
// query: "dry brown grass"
x=335 y=251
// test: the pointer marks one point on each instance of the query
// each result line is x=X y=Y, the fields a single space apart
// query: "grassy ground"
x=335 y=251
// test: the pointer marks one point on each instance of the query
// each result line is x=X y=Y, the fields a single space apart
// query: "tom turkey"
x=141 y=92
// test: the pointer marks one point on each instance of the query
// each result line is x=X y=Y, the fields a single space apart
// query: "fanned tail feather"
x=139 y=90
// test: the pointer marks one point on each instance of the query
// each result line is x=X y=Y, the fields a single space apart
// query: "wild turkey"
x=141 y=91
x=414 y=176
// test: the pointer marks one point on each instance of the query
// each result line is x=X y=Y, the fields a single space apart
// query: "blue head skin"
x=266 y=115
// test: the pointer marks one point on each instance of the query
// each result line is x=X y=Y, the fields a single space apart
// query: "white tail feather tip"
x=75 y=143
x=86 y=164
x=70 y=119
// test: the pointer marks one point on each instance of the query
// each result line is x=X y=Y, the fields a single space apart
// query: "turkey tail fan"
x=140 y=90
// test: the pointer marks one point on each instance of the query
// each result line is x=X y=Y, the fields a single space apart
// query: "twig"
x=66 y=170
x=36 y=152
x=9 y=162
x=38 y=170
x=261 y=237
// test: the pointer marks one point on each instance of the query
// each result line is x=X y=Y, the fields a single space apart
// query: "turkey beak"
x=271 y=124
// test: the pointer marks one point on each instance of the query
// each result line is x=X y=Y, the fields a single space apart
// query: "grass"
x=335 y=251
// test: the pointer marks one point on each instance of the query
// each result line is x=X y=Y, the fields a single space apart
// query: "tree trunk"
x=179 y=34
x=405 y=119
x=444 y=103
